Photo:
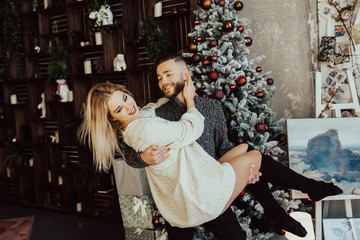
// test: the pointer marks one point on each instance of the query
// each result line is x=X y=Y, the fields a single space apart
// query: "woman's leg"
x=241 y=165
x=235 y=152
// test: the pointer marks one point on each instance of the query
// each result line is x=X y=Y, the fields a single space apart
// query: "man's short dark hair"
x=165 y=58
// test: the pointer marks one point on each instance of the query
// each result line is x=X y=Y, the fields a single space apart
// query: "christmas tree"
x=220 y=69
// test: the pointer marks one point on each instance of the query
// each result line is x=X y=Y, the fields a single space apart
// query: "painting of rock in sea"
x=326 y=149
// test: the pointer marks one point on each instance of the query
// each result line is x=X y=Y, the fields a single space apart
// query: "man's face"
x=171 y=78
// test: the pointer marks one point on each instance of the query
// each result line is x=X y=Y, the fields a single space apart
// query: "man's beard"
x=179 y=86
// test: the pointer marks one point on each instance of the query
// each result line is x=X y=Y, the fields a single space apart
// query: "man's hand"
x=254 y=174
x=154 y=154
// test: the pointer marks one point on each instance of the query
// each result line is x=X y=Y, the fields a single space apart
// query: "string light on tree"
x=202 y=87
x=232 y=87
x=205 y=4
x=192 y=47
x=197 y=22
x=198 y=39
x=258 y=69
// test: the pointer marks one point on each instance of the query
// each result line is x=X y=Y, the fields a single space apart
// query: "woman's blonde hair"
x=96 y=129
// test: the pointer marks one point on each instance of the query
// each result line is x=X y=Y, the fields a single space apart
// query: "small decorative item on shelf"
x=62 y=90
x=42 y=106
x=158 y=9
x=87 y=67
x=101 y=13
x=46 y=4
x=13 y=99
x=98 y=38
x=119 y=63
x=78 y=38
x=70 y=96
x=99 y=65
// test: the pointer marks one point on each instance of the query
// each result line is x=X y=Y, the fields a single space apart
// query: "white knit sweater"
x=190 y=187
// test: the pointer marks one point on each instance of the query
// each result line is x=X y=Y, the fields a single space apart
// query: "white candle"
x=49 y=176
x=98 y=38
x=70 y=96
x=60 y=180
x=8 y=172
x=31 y=162
x=158 y=9
x=45 y=4
x=13 y=99
x=87 y=67
x=57 y=139
x=78 y=207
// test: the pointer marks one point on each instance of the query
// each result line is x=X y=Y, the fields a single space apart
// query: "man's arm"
x=151 y=155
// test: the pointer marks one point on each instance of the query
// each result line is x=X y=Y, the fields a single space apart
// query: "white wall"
x=281 y=32
x=285 y=31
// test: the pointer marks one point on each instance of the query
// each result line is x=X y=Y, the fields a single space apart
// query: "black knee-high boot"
x=282 y=176
x=276 y=215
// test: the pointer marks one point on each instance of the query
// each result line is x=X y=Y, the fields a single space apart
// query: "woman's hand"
x=189 y=91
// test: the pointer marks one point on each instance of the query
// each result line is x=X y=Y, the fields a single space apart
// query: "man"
x=214 y=140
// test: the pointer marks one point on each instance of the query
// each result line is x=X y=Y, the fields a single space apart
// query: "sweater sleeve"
x=176 y=134
x=132 y=158
x=149 y=109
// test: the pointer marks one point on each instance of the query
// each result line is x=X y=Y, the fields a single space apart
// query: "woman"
x=190 y=187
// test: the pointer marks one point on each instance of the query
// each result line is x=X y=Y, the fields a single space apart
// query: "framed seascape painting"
x=341 y=228
x=326 y=149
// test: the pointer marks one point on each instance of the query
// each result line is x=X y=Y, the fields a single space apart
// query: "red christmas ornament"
x=282 y=138
x=192 y=47
x=258 y=69
x=197 y=22
x=213 y=43
x=260 y=94
x=198 y=39
x=249 y=41
x=270 y=81
x=214 y=58
x=240 y=29
x=196 y=58
x=239 y=141
x=213 y=75
x=238 y=5
x=206 y=62
x=199 y=2
x=228 y=26
x=202 y=87
x=232 y=87
x=205 y=4
x=219 y=94
x=260 y=127
x=241 y=80
x=221 y=3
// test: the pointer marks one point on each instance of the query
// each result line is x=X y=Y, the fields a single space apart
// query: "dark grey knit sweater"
x=214 y=139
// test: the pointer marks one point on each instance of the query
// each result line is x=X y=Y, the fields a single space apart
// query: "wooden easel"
x=321 y=212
